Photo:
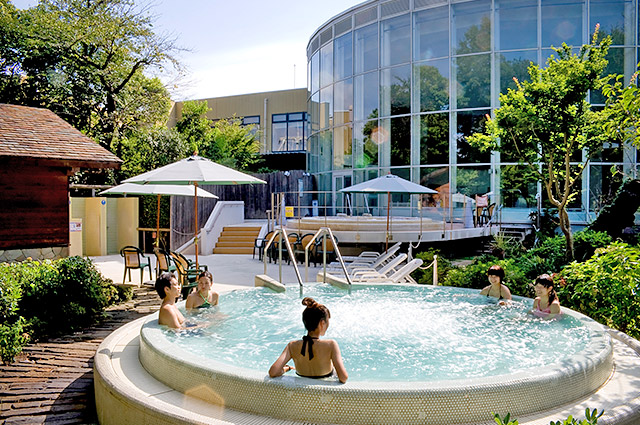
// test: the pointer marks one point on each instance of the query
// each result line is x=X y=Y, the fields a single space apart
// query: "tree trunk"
x=565 y=226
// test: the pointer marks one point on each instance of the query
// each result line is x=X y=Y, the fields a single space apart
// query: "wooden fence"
x=257 y=200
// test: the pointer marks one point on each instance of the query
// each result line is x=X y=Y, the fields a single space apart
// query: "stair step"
x=233 y=250
x=235 y=238
x=232 y=243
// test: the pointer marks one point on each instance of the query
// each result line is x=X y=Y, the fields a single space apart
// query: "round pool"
x=415 y=354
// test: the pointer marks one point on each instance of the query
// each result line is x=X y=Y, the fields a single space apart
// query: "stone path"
x=52 y=382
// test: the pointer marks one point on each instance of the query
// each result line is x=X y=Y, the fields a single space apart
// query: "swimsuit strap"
x=307 y=339
x=203 y=298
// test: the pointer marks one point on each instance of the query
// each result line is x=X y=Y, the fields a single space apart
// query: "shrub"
x=12 y=327
x=475 y=276
x=426 y=276
x=12 y=338
x=586 y=242
x=591 y=418
x=606 y=287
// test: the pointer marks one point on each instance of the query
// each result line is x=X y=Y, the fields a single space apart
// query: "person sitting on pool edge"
x=313 y=357
x=496 y=288
x=546 y=305
x=203 y=296
x=168 y=288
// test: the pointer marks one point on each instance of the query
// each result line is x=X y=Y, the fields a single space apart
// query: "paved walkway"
x=52 y=382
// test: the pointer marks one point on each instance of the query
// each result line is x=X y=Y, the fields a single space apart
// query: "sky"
x=239 y=47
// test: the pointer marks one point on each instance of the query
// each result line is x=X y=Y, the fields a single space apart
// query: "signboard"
x=288 y=212
x=75 y=226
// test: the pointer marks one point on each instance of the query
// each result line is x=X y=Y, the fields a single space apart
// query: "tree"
x=622 y=115
x=548 y=123
x=84 y=60
x=194 y=125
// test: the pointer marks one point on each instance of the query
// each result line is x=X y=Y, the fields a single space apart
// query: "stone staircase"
x=237 y=240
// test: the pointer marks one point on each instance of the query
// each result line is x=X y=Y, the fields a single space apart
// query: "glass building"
x=397 y=86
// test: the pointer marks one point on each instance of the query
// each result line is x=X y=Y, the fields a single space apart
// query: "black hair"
x=206 y=273
x=547 y=281
x=162 y=282
x=496 y=270
x=313 y=314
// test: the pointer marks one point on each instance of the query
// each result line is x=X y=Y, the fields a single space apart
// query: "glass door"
x=340 y=201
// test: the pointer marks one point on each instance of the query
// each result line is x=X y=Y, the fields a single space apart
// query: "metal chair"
x=134 y=258
x=187 y=275
x=298 y=249
x=163 y=261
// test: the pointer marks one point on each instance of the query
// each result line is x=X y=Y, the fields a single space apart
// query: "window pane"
x=395 y=90
x=343 y=102
x=314 y=108
x=324 y=150
x=400 y=141
x=471 y=26
x=279 y=117
x=518 y=23
x=602 y=187
x=472 y=181
x=620 y=60
x=611 y=15
x=470 y=122
x=561 y=22
x=365 y=148
x=436 y=179
x=395 y=40
x=434 y=139
x=326 y=65
x=518 y=186
x=279 y=137
x=315 y=72
x=251 y=120
x=298 y=116
x=312 y=158
x=514 y=64
x=473 y=74
x=342 y=147
x=366 y=96
x=366 y=48
x=295 y=136
x=431 y=33
x=343 y=58
x=431 y=80
x=326 y=106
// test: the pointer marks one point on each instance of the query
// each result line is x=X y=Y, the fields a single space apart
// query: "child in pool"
x=496 y=289
x=313 y=357
x=203 y=297
x=546 y=304
x=168 y=288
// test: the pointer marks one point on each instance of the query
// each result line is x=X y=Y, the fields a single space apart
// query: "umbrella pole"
x=158 y=224
x=195 y=184
x=386 y=244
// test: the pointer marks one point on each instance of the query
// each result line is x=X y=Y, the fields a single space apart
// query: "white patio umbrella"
x=194 y=170
x=159 y=190
x=388 y=184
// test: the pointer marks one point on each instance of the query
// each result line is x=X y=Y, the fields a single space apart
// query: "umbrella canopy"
x=387 y=184
x=194 y=170
x=462 y=198
x=156 y=189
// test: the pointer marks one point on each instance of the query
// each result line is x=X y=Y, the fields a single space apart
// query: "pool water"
x=388 y=332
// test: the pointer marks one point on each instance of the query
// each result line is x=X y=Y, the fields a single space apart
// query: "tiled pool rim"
x=295 y=398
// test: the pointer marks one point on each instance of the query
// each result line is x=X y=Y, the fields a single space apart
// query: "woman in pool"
x=313 y=357
x=168 y=288
x=546 y=304
x=203 y=297
x=496 y=288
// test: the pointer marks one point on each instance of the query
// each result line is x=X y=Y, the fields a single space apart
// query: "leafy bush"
x=12 y=327
x=426 y=276
x=606 y=287
x=475 y=276
x=12 y=338
x=591 y=419
x=63 y=295
x=586 y=242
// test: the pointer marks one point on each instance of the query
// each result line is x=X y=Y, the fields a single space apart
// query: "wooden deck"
x=52 y=382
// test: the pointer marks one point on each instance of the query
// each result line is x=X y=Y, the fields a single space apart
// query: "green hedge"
x=50 y=298
x=425 y=277
x=475 y=276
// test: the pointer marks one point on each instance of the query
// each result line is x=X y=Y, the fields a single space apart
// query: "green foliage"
x=12 y=326
x=606 y=287
x=426 y=276
x=233 y=144
x=591 y=419
x=194 y=126
x=475 y=276
x=506 y=421
x=622 y=118
x=504 y=246
x=12 y=338
x=548 y=121
x=620 y=213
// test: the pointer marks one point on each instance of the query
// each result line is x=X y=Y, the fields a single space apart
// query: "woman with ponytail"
x=546 y=304
x=313 y=357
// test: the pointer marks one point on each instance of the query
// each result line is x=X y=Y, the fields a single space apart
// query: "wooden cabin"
x=38 y=153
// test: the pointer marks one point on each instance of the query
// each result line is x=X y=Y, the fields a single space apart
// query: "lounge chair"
x=402 y=275
x=376 y=263
x=134 y=258
x=388 y=269
x=370 y=256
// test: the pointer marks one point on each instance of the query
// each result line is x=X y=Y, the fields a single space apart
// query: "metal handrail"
x=284 y=236
x=323 y=231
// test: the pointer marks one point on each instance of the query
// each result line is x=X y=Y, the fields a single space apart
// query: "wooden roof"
x=37 y=133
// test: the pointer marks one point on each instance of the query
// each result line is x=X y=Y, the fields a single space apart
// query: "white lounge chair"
x=370 y=256
x=381 y=260
x=401 y=275
x=386 y=270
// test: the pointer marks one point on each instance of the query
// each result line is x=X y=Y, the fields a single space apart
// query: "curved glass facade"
x=397 y=86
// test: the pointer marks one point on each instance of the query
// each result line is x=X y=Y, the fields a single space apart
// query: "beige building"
x=280 y=115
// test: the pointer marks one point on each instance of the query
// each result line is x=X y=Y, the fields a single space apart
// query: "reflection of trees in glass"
x=474 y=72
x=470 y=122
x=369 y=147
x=400 y=96
x=434 y=89
x=518 y=186
x=434 y=139
x=472 y=181
x=401 y=141
x=477 y=38
x=512 y=68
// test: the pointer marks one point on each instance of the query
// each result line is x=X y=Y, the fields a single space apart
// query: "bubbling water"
x=388 y=332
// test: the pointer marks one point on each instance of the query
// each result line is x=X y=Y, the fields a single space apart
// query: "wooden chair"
x=298 y=250
x=188 y=276
x=487 y=214
x=331 y=250
x=134 y=258
x=163 y=261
